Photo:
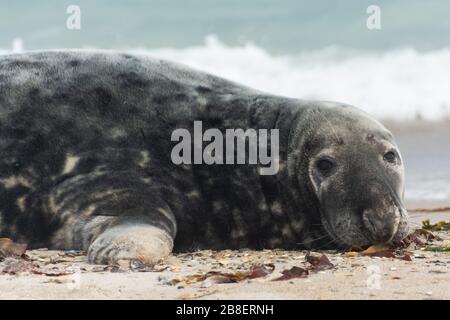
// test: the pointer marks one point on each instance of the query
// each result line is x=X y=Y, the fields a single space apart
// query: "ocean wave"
x=402 y=84
x=428 y=187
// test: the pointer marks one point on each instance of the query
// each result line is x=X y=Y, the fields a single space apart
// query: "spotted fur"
x=85 y=158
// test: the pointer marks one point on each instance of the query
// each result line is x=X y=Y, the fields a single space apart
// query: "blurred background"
x=305 y=49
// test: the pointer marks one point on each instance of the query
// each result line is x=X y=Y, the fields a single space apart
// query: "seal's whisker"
x=312 y=240
x=415 y=224
x=328 y=243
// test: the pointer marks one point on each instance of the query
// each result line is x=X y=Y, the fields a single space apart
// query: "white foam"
x=429 y=186
x=398 y=84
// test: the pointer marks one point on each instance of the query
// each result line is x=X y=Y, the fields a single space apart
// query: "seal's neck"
x=287 y=198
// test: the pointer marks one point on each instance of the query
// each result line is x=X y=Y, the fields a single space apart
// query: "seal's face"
x=357 y=174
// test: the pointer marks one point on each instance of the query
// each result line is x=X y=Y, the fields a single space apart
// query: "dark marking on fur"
x=132 y=80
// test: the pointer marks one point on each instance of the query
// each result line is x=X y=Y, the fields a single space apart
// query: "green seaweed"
x=440 y=226
x=437 y=249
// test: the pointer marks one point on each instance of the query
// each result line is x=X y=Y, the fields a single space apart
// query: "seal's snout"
x=381 y=225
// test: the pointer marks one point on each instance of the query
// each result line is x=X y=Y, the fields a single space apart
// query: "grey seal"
x=85 y=144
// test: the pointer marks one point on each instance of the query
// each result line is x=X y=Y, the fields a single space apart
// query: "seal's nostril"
x=380 y=225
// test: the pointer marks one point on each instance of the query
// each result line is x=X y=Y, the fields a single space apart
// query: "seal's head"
x=350 y=165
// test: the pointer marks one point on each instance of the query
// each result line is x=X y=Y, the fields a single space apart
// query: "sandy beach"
x=67 y=275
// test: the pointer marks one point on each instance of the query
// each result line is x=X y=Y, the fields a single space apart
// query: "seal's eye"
x=325 y=165
x=390 y=157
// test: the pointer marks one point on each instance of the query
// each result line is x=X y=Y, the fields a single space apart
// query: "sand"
x=427 y=276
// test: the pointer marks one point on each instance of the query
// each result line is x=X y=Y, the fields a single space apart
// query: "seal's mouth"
x=382 y=225
x=371 y=228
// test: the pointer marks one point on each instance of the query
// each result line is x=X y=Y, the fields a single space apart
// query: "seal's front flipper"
x=114 y=216
x=144 y=235
x=131 y=242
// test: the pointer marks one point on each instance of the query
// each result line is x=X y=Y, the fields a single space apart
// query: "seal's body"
x=85 y=144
